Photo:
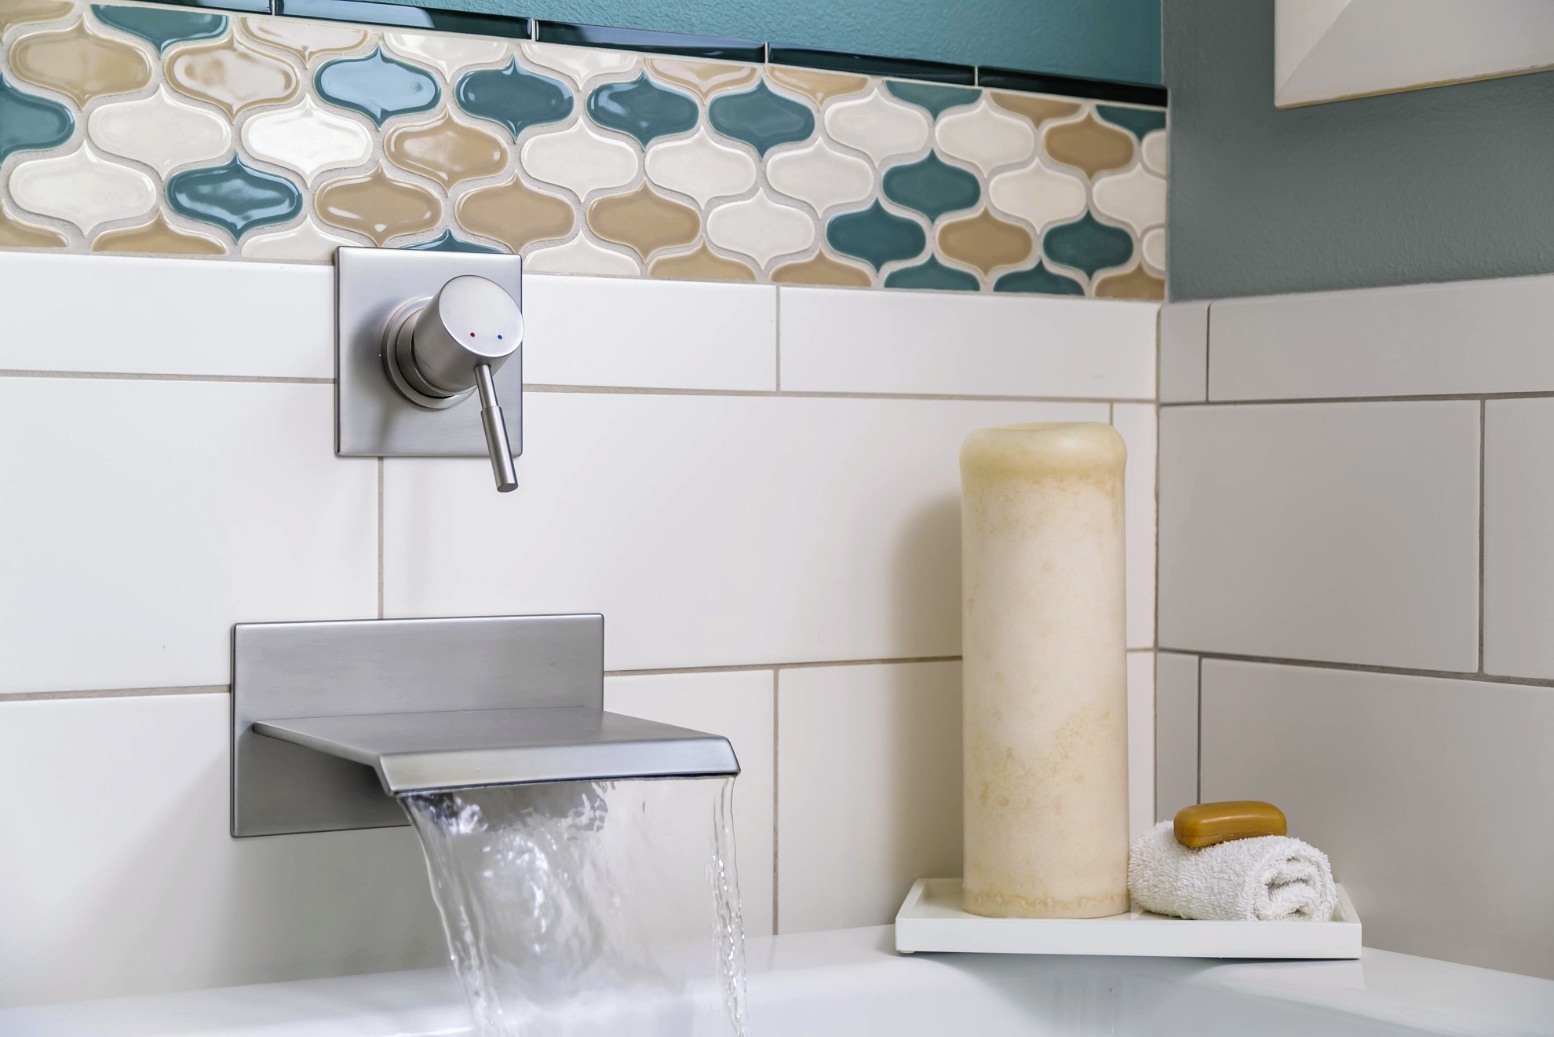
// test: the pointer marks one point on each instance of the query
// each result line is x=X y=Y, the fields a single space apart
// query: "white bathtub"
x=851 y=983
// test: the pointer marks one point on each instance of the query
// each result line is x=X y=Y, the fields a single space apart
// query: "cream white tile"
x=1141 y=742
x=1176 y=733
x=1518 y=551
x=837 y=340
x=1184 y=352
x=1423 y=793
x=83 y=188
x=1468 y=337
x=708 y=529
x=1342 y=532
x=144 y=518
x=740 y=706
x=868 y=789
x=124 y=880
x=649 y=334
x=1136 y=422
x=73 y=313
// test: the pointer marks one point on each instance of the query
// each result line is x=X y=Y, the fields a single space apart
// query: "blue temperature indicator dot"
x=499 y=338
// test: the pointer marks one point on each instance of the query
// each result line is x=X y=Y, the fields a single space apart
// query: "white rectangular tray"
x=933 y=918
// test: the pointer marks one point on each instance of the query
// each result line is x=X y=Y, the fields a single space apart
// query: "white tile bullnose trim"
x=1184 y=352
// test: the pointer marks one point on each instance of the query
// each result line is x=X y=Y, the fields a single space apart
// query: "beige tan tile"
x=1034 y=107
x=158 y=238
x=703 y=78
x=1089 y=144
x=79 y=63
x=24 y=12
x=1137 y=283
x=701 y=265
x=16 y=234
x=514 y=214
x=818 y=86
x=304 y=38
x=378 y=206
x=822 y=269
x=644 y=220
x=231 y=74
x=446 y=150
x=985 y=242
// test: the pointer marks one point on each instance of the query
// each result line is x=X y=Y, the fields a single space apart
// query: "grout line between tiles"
x=1395 y=671
x=1198 y=771
x=614 y=390
x=1415 y=398
x=1208 y=344
x=747 y=667
x=115 y=693
x=776 y=828
x=123 y=376
x=1483 y=429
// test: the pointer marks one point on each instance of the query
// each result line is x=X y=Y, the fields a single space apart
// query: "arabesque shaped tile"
x=932 y=275
x=580 y=256
x=79 y=62
x=514 y=97
x=985 y=137
x=1088 y=245
x=701 y=265
x=27 y=12
x=378 y=86
x=701 y=167
x=30 y=123
x=378 y=206
x=235 y=197
x=875 y=236
x=1155 y=151
x=820 y=175
x=82 y=188
x=1088 y=144
x=448 y=53
x=761 y=228
x=642 y=109
x=822 y=269
x=160 y=26
x=1034 y=108
x=815 y=84
x=878 y=127
x=932 y=186
x=580 y=64
x=17 y=233
x=304 y=37
x=306 y=242
x=158 y=238
x=702 y=78
x=447 y=241
x=1140 y=122
x=1153 y=249
x=644 y=221
x=445 y=150
x=514 y=214
x=580 y=159
x=1136 y=283
x=931 y=97
x=163 y=131
x=761 y=118
x=986 y=242
x=231 y=74
x=1137 y=198
x=1039 y=195
x=307 y=138
x=1038 y=280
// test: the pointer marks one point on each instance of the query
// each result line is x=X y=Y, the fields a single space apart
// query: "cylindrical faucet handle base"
x=496 y=431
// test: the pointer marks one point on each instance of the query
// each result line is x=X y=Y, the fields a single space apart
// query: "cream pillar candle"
x=1045 y=672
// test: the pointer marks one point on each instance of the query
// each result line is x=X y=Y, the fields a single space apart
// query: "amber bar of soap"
x=1208 y=823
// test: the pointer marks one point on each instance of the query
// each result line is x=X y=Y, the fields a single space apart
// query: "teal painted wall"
x=1100 y=39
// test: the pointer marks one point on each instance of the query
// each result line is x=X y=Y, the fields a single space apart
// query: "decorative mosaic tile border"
x=155 y=130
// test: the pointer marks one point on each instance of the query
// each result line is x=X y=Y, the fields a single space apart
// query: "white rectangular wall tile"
x=708 y=530
x=1137 y=423
x=144 y=518
x=1474 y=337
x=1518 y=547
x=841 y=340
x=122 y=877
x=1335 y=532
x=649 y=334
x=1176 y=733
x=1141 y=742
x=1426 y=794
x=166 y=316
x=1184 y=352
x=868 y=789
x=739 y=706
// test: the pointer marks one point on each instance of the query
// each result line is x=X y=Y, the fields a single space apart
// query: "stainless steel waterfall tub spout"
x=331 y=720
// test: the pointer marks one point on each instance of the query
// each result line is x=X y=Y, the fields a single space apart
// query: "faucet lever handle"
x=496 y=431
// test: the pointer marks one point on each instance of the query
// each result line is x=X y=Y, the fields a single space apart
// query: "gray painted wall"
x=1431 y=185
x=1100 y=39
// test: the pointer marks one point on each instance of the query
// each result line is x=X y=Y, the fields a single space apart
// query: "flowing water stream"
x=585 y=908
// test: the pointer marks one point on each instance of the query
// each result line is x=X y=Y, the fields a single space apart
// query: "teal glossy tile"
x=1087 y=244
x=29 y=123
x=875 y=236
x=761 y=118
x=643 y=109
x=932 y=186
x=1039 y=280
x=514 y=97
x=933 y=274
x=446 y=242
x=159 y=26
x=1140 y=122
x=377 y=86
x=933 y=98
x=235 y=197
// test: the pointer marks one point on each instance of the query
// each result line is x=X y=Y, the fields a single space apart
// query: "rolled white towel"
x=1272 y=878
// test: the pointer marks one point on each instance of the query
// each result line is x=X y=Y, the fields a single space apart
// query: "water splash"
x=584 y=908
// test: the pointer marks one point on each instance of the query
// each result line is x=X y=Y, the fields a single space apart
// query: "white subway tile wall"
x=795 y=547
